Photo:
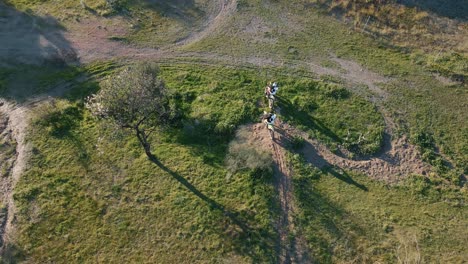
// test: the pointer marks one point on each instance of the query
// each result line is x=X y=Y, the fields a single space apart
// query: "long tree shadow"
x=451 y=9
x=313 y=157
x=249 y=238
x=212 y=203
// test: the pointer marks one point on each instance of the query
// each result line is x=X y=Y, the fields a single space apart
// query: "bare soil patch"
x=17 y=122
x=402 y=160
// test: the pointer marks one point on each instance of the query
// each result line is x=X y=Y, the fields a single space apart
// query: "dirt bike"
x=271 y=129
x=271 y=100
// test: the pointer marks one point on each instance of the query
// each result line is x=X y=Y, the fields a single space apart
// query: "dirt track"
x=16 y=126
x=289 y=250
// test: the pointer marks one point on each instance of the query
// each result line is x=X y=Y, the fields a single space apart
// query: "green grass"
x=330 y=113
x=90 y=193
x=343 y=223
x=93 y=191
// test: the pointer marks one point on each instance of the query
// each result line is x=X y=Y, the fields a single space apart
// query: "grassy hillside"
x=434 y=31
x=89 y=193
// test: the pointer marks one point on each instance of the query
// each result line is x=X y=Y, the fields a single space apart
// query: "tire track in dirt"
x=216 y=19
x=17 y=117
x=91 y=40
x=291 y=246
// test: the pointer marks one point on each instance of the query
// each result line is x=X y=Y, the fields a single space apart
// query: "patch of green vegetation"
x=341 y=222
x=426 y=144
x=23 y=81
x=92 y=189
x=329 y=112
x=332 y=114
x=89 y=191
x=26 y=80
x=451 y=64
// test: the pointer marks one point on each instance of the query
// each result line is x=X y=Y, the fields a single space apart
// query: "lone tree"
x=135 y=99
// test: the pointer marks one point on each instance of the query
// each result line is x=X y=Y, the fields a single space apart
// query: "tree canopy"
x=135 y=98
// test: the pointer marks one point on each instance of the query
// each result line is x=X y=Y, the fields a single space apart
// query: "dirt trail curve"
x=391 y=165
x=216 y=18
x=91 y=39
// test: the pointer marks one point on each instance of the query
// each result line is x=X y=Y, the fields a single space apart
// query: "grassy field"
x=99 y=197
x=413 y=222
x=91 y=195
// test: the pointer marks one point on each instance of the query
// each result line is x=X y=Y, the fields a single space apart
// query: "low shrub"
x=243 y=155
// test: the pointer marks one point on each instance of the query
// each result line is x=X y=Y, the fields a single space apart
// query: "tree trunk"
x=143 y=138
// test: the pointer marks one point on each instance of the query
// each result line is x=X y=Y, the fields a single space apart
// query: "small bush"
x=423 y=139
x=234 y=114
x=245 y=156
